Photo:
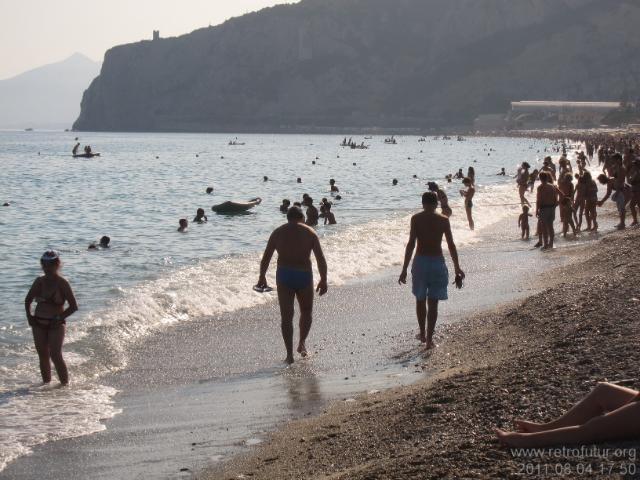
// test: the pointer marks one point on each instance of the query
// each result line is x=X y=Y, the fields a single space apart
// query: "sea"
x=153 y=278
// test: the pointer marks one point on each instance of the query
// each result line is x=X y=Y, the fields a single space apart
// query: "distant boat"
x=390 y=141
x=28 y=129
x=86 y=155
x=422 y=139
x=368 y=138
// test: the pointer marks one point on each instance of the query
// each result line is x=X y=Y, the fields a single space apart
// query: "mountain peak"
x=47 y=96
x=80 y=58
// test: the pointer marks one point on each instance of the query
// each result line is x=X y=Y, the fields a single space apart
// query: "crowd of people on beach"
x=296 y=240
x=574 y=192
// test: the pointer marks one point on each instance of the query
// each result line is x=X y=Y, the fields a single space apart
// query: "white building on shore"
x=527 y=114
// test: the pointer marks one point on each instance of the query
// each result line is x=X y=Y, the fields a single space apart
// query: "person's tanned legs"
x=56 y=338
x=432 y=318
x=621 y=424
x=305 y=301
x=41 y=339
x=286 y=298
x=421 y=313
x=606 y=397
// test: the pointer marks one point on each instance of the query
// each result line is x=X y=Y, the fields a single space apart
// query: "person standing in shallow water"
x=546 y=203
x=430 y=277
x=51 y=292
x=468 y=194
x=294 y=242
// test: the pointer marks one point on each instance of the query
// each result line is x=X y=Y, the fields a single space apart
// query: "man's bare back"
x=294 y=243
x=429 y=228
x=547 y=195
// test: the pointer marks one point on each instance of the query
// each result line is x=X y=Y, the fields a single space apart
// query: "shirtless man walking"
x=294 y=242
x=430 y=276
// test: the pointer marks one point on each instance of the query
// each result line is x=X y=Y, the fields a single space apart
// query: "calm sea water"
x=153 y=276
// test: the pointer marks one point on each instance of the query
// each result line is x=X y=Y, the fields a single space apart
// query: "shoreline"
x=532 y=360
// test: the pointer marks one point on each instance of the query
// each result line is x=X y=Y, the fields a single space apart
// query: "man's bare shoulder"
x=429 y=217
x=308 y=230
x=297 y=227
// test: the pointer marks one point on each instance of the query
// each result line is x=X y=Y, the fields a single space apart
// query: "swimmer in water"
x=200 y=216
x=50 y=292
x=184 y=224
x=502 y=172
x=104 y=243
x=286 y=203
x=334 y=188
x=209 y=190
x=294 y=242
x=394 y=182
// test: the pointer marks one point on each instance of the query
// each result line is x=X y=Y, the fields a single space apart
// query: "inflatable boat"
x=236 y=207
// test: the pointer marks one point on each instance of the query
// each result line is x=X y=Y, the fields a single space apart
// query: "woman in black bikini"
x=50 y=292
x=468 y=199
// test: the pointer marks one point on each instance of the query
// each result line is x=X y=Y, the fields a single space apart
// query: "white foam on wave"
x=39 y=414
x=98 y=342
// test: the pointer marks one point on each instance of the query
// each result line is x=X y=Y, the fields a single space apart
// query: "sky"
x=39 y=32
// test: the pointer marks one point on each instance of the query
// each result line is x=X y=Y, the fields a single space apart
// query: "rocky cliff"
x=387 y=63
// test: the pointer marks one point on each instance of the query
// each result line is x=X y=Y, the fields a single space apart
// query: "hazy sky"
x=37 y=32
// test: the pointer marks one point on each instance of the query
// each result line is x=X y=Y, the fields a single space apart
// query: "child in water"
x=183 y=225
x=523 y=222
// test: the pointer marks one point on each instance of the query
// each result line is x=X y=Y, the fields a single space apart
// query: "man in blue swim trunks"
x=294 y=242
x=430 y=276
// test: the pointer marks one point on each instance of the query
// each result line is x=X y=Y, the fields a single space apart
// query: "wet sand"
x=199 y=393
x=532 y=360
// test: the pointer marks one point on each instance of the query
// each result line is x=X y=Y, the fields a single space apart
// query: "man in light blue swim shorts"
x=430 y=276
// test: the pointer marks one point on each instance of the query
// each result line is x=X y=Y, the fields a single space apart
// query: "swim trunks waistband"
x=294 y=279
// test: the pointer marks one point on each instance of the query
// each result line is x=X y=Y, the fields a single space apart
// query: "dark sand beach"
x=532 y=359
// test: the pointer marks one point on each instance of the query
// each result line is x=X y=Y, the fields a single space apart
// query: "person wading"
x=430 y=277
x=294 y=242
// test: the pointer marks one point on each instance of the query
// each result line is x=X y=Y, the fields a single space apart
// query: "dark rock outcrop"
x=387 y=63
